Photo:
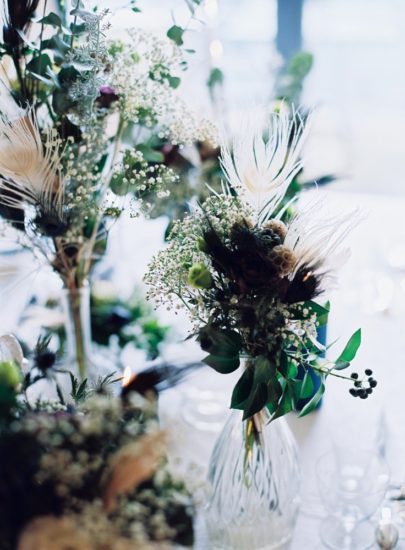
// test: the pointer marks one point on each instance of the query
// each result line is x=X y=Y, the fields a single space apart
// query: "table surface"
x=371 y=295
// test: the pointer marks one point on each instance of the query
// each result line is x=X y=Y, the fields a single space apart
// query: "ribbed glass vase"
x=254 y=480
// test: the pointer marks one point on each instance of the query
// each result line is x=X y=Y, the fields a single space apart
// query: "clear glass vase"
x=254 y=480
x=81 y=358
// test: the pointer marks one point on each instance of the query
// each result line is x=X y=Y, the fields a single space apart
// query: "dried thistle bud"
x=278 y=227
x=283 y=259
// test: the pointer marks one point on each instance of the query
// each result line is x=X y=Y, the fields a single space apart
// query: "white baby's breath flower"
x=264 y=157
x=30 y=169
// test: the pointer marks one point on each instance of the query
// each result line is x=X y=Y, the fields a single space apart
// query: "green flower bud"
x=199 y=276
x=201 y=244
x=10 y=374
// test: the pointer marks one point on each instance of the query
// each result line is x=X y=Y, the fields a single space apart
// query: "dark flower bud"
x=276 y=226
x=45 y=360
x=107 y=97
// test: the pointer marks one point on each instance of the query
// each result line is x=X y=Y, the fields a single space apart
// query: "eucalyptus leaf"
x=51 y=19
x=39 y=65
x=175 y=33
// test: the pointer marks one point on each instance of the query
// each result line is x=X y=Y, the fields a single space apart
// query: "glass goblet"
x=352 y=484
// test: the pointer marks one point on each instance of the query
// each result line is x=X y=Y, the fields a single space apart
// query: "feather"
x=132 y=465
x=30 y=170
x=259 y=167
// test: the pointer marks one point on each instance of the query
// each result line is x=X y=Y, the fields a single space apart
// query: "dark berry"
x=353 y=392
x=369 y=391
x=373 y=383
x=354 y=375
x=357 y=384
x=363 y=394
x=368 y=372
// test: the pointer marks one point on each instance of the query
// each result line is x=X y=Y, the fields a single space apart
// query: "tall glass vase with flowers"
x=251 y=284
x=75 y=128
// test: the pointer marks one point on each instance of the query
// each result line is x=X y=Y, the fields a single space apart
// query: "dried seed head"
x=283 y=259
x=278 y=227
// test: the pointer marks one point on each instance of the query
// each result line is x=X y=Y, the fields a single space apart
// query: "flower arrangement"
x=77 y=111
x=89 y=473
x=250 y=281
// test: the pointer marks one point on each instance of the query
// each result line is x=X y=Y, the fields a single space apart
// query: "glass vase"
x=254 y=480
x=81 y=357
x=76 y=307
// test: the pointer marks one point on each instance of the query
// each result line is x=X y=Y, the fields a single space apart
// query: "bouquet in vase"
x=251 y=284
x=77 y=114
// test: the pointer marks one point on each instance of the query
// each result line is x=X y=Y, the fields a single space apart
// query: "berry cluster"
x=363 y=388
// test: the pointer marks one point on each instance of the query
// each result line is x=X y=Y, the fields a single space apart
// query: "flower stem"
x=74 y=299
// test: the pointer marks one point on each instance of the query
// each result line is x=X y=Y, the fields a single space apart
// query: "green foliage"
x=349 y=352
x=176 y=33
x=291 y=78
x=216 y=77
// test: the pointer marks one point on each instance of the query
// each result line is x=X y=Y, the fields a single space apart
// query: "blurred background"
x=356 y=85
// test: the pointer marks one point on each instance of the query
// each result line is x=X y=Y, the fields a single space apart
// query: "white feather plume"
x=317 y=240
x=264 y=157
x=29 y=162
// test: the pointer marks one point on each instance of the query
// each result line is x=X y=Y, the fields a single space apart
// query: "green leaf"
x=216 y=77
x=60 y=394
x=149 y=154
x=349 y=353
x=216 y=341
x=222 y=364
x=242 y=389
x=51 y=19
x=174 y=81
x=257 y=401
x=307 y=386
x=313 y=403
x=288 y=366
x=40 y=64
x=322 y=312
x=285 y=405
x=175 y=33
x=274 y=391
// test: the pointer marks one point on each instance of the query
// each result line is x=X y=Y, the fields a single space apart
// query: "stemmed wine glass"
x=352 y=485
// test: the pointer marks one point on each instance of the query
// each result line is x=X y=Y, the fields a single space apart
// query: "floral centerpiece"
x=77 y=111
x=88 y=474
x=251 y=284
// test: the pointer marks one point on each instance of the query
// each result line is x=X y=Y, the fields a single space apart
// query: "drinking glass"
x=352 y=485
